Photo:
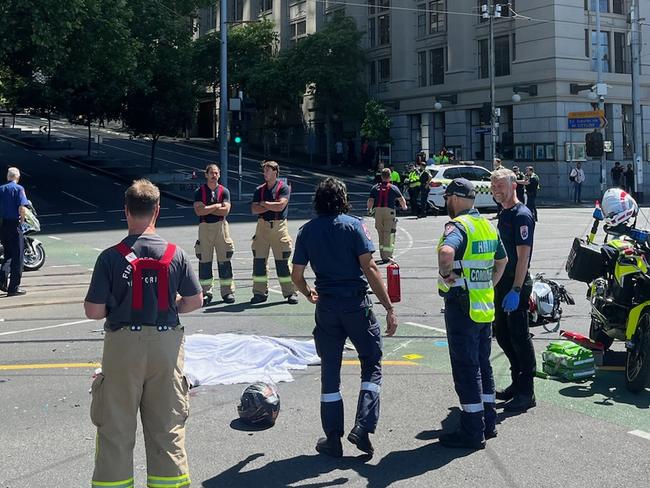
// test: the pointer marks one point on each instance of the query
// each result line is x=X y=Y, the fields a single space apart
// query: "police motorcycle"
x=619 y=283
x=544 y=304
x=34 y=252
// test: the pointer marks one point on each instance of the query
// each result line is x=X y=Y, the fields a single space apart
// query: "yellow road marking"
x=350 y=362
x=16 y=367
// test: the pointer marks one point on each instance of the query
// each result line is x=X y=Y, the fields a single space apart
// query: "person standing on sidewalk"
x=13 y=203
x=339 y=250
x=140 y=286
x=270 y=204
x=382 y=202
x=617 y=175
x=471 y=260
x=212 y=206
x=532 y=187
x=516 y=229
x=577 y=176
x=628 y=175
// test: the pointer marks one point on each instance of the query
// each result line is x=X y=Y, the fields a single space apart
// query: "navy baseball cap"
x=461 y=187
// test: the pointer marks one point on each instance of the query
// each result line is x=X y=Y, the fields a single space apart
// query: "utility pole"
x=223 y=93
x=636 y=100
x=601 y=97
x=490 y=12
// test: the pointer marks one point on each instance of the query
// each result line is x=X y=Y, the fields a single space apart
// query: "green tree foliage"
x=333 y=59
x=376 y=124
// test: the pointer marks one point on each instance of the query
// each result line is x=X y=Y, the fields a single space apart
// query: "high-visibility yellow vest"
x=395 y=177
x=476 y=266
x=414 y=179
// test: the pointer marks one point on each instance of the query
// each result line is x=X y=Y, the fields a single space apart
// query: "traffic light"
x=237 y=134
x=485 y=114
x=595 y=144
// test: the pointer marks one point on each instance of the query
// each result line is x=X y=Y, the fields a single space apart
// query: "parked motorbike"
x=544 y=304
x=619 y=292
x=34 y=253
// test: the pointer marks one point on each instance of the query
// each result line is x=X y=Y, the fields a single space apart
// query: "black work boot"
x=259 y=298
x=229 y=298
x=330 y=446
x=207 y=298
x=360 y=438
x=520 y=403
x=507 y=393
x=459 y=439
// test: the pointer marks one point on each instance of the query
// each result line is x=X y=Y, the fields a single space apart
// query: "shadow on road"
x=611 y=386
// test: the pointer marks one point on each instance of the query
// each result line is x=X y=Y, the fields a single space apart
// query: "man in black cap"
x=471 y=260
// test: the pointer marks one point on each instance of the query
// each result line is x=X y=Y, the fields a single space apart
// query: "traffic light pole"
x=601 y=99
x=636 y=101
x=493 y=122
x=223 y=94
x=239 y=170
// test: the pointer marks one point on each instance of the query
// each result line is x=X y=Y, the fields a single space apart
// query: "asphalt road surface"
x=581 y=434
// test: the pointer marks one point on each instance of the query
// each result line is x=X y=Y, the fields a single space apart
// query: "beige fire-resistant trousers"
x=272 y=235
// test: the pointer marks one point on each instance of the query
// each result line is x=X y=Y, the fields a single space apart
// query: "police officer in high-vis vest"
x=339 y=250
x=471 y=260
x=270 y=202
x=212 y=205
x=382 y=203
x=140 y=286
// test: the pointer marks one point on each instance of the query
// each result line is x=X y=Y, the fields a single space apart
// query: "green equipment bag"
x=568 y=360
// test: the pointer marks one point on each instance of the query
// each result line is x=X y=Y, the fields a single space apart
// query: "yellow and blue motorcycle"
x=616 y=272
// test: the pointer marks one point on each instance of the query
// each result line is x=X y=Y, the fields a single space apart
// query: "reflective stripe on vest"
x=275 y=197
x=382 y=198
x=161 y=266
x=476 y=266
x=204 y=197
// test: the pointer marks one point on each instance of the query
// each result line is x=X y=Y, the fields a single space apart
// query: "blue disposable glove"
x=510 y=301
x=598 y=214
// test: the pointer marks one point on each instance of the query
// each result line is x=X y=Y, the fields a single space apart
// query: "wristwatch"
x=516 y=289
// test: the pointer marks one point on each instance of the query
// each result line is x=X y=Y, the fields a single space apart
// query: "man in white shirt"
x=577 y=176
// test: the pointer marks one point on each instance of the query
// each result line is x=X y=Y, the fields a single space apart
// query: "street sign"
x=483 y=130
x=594 y=119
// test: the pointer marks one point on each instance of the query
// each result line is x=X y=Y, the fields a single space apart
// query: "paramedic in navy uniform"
x=339 y=250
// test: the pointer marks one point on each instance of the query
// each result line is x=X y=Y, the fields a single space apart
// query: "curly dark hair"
x=331 y=197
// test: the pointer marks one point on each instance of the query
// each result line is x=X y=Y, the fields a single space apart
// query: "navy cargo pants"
x=469 y=350
x=338 y=318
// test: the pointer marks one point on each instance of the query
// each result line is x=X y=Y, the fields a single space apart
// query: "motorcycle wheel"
x=34 y=261
x=597 y=334
x=637 y=360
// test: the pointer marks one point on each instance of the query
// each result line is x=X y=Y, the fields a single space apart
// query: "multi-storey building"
x=423 y=51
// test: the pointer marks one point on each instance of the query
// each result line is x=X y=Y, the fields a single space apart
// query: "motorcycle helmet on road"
x=259 y=404
x=618 y=207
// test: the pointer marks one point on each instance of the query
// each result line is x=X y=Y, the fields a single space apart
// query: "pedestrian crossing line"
x=428 y=327
x=355 y=362
x=21 y=367
x=640 y=433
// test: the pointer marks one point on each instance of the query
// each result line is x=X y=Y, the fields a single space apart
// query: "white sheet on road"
x=226 y=359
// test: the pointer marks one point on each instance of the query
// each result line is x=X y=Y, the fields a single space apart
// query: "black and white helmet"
x=259 y=404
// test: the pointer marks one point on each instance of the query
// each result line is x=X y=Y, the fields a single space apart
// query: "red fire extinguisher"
x=394 y=288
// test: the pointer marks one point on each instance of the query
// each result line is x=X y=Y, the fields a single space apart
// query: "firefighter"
x=212 y=206
x=140 y=286
x=471 y=260
x=382 y=202
x=339 y=250
x=270 y=204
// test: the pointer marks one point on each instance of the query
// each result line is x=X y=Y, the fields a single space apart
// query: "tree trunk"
x=152 y=164
x=328 y=137
x=90 y=137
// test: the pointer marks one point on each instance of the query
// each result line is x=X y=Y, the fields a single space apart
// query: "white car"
x=443 y=174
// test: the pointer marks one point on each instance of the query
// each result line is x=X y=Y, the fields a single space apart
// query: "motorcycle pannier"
x=585 y=262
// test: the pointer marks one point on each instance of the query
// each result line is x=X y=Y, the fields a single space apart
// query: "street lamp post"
x=490 y=12
x=223 y=94
x=636 y=100
x=601 y=95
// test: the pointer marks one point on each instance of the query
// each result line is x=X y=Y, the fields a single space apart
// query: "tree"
x=376 y=124
x=333 y=59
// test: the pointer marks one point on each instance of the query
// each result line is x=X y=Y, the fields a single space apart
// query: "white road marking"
x=408 y=247
x=113 y=211
x=640 y=433
x=64 y=266
x=66 y=324
x=80 y=199
x=93 y=174
x=83 y=213
x=50 y=215
x=172 y=217
x=88 y=221
x=55 y=238
x=97 y=249
x=428 y=327
x=116 y=183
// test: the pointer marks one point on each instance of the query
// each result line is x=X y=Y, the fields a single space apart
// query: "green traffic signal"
x=237 y=139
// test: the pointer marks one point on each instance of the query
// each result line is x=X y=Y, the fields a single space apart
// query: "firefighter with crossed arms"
x=212 y=206
x=382 y=202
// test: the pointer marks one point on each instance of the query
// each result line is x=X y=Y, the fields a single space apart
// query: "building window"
x=604 y=5
x=604 y=51
x=371 y=32
x=297 y=10
x=422 y=68
x=618 y=7
x=437 y=66
x=373 y=73
x=384 y=29
x=483 y=59
x=422 y=20
x=384 y=69
x=238 y=10
x=297 y=30
x=628 y=132
x=621 y=54
x=514 y=47
x=502 y=56
x=375 y=6
x=437 y=16
x=266 y=6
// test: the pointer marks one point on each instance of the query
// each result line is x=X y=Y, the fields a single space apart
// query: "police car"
x=442 y=174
